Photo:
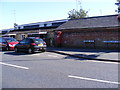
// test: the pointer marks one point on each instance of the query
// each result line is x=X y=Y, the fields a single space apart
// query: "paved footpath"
x=104 y=55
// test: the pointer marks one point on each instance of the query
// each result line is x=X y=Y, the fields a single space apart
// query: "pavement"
x=91 y=54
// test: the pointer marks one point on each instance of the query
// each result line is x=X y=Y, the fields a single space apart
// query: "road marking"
x=90 y=79
x=35 y=54
x=52 y=56
x=16 y=66
x=103 y=62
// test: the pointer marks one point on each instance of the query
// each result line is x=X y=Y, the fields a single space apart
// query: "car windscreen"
x=37 y=40
x=10 y=39
x=2 y=40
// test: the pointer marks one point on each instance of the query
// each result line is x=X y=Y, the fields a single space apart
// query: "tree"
x=15 y=25
x=118 y=3
x=74 y=14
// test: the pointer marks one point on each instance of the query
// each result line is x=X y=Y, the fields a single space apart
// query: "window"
x=41 y=25
x=22 y=36
x=10 y=39
x=29 y=41
x=2 y=40
x=31 y=26
x=23 y=41
x=49 y=24
x=37 y=40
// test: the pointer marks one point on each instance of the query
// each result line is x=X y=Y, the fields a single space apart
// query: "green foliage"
x=73 y=14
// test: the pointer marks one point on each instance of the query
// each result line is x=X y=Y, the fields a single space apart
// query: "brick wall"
x=91 y=38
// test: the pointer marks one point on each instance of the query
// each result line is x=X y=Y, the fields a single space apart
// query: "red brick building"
x=93 y=32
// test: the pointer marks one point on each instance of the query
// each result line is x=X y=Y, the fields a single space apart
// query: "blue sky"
x=31 y=11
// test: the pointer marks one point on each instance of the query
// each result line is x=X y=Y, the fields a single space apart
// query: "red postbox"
x=58 y=40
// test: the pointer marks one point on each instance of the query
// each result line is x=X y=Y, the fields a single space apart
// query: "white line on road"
x=90 y=79
x=16 y=66
x=102 y=62
x=52 y=56
x=34 y=54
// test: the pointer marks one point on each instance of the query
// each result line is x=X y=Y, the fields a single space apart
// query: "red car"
x=11 y=42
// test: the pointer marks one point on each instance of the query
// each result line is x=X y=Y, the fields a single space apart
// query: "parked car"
x=3 y=44
x=8 y=43
x=11 y=42
x=31 y=44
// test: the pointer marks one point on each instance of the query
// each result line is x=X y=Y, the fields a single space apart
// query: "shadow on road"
x=81 y=56
x=35 y=60
x=83 y=50
x=20 y=53
x=75 y=58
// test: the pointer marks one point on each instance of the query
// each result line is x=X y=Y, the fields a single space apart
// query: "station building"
x=101 y=32
x=43 y=30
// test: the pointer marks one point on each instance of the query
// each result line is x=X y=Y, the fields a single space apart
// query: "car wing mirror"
x=19 y=43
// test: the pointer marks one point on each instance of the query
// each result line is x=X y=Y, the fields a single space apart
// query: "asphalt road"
x=51 y=70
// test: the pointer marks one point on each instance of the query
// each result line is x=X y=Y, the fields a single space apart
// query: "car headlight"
x=11 y=45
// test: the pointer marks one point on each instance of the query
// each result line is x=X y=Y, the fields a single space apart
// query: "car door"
x=21 y=44
x=27 y=43
x=3 y=43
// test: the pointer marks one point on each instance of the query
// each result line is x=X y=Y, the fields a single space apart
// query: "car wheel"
x=16 y=49
x=43 y=50
x=30 y=50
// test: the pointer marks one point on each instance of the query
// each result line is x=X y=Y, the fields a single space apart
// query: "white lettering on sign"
x=111 y=41
x=89 y=41
x=42 y=32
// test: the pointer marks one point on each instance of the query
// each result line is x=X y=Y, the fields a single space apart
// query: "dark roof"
x=43 y=25
x=37 y=25
x=91 y=22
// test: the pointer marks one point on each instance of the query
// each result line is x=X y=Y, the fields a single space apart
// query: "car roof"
x=34 y=37
x=7 y=37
